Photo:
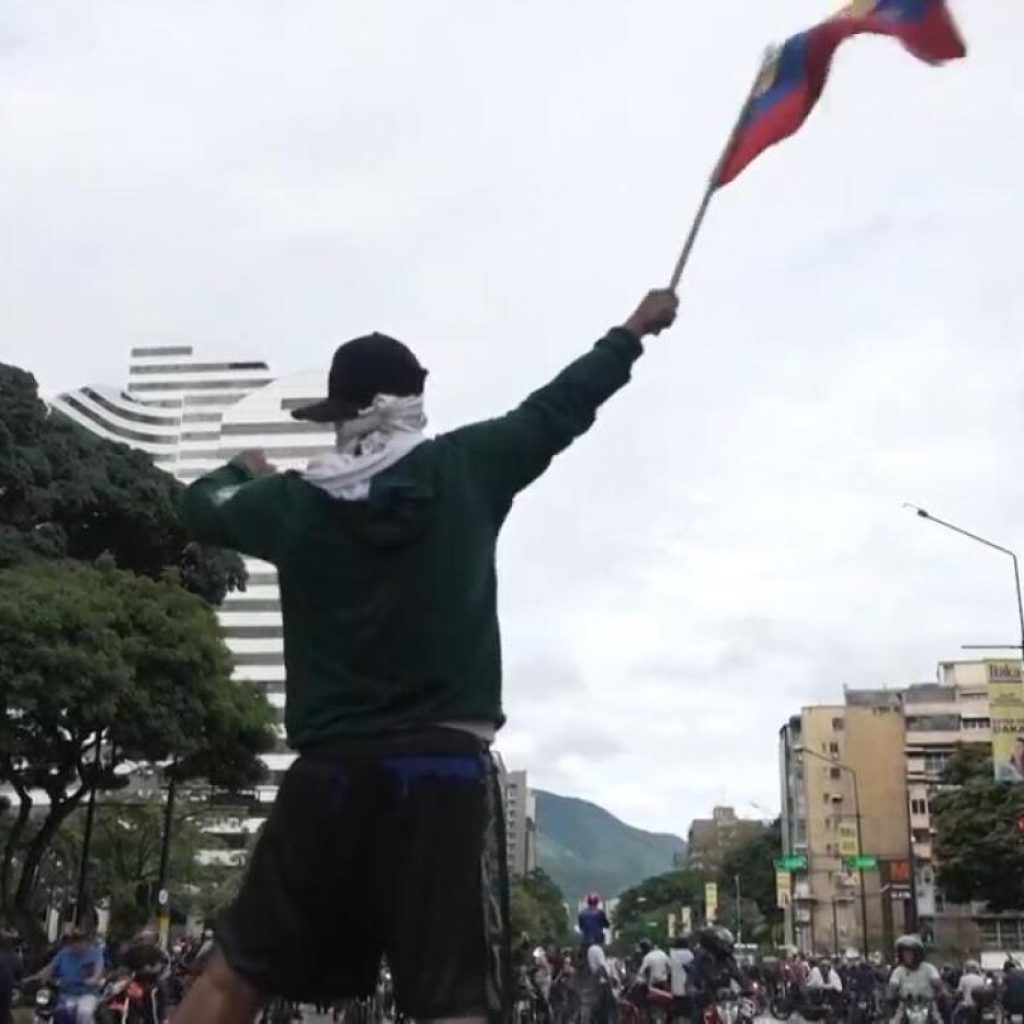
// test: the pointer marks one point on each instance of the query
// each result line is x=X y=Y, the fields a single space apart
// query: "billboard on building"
x=710 y=902
x=848 y=845
x=783 y=889
x=1006 y=709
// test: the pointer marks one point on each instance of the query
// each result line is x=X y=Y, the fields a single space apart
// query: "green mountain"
x=584 y=848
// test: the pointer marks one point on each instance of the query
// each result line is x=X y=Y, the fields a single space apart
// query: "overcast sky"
x=497 y=183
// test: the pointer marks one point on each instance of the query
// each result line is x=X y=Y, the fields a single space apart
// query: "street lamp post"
x=989 y=544
x=860 y=840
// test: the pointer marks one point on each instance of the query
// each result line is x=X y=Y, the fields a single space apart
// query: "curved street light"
x=924 y=514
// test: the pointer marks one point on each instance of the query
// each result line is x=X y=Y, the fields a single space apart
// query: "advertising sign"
x=783 y=889
x=710 y=901
x=1006 y=709
x=848 y=839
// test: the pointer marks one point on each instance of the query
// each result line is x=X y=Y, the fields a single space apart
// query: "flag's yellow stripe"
x=768 y=72
x=856 y=9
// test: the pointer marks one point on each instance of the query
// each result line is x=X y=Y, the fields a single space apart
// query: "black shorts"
x=386 y=847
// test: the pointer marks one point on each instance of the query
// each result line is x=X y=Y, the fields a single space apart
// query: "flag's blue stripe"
x=903 y=10
x=790 y=74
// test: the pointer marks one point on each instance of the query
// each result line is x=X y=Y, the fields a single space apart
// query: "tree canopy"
x=65 y=493
x=100 y=669
x=643 y=910
x=538 y=909
x=752 y=860
x=979 y=850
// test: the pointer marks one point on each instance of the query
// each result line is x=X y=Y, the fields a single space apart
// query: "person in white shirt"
x=656 y=968
x=681 y=960
x=824 y=977
x=971 y=981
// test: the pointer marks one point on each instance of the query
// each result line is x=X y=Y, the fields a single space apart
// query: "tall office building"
x=520 y=821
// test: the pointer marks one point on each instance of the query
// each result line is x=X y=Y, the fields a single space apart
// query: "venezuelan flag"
x=794 y=75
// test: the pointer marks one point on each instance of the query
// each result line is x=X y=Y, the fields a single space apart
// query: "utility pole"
x=163 y=910
x=90 y=816
x=739 y=912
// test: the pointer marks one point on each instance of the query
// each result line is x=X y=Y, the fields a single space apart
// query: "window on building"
x=833 y=748
x=838 y=725
x=831 y=850
x=918 y=806
x=827 y=798
x=835 y=773
x=977 y=723
x=935 y=763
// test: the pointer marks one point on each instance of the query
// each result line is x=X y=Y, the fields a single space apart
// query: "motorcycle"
x=754 y=993
x=863 y=1009
x=44 y=1004
x=130 y=1000
x=915 y=1010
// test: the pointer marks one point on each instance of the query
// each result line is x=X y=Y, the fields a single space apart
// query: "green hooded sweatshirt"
x=389 y=604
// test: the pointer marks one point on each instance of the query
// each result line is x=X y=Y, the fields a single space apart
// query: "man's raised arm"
x=510 y=452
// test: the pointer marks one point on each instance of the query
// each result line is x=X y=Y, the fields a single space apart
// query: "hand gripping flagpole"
x=712 y=185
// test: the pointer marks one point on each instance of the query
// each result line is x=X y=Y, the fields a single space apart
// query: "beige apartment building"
x=709 y=840
x=843 y=774
x=897 y=742
x=941 y=717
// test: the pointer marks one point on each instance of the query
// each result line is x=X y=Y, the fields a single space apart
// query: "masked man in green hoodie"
x=386 y=838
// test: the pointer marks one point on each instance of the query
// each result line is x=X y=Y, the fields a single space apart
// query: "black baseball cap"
x=362 y=369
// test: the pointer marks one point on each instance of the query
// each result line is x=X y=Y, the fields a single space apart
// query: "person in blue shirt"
x=593 y=922
x=77 y=971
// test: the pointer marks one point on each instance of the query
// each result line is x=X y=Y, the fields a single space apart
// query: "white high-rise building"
x=520 y=822
x=191 y=413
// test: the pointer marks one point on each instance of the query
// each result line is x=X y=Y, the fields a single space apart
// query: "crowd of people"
x=83 y=972
x=698 y=979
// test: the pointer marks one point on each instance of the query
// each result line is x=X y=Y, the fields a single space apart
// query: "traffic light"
x=1020 y=823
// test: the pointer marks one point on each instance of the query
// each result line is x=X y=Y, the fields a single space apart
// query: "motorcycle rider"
x=862 y=983
x=1013 y=988
x=77 y=970
x=914 y=977
x=824 y=985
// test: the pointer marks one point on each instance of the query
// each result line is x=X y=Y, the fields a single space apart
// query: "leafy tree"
x=124 y=860
x=753 y=861
x=979 y=851
x=642 y=911
x=661 y=893
x=101 y=669
x=65 y=493
x=538 y=909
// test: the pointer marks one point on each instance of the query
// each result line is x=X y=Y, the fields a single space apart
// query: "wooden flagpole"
x=709 y=192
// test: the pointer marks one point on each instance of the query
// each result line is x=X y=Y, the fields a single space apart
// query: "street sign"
x=864 y=862
x=796 y=862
